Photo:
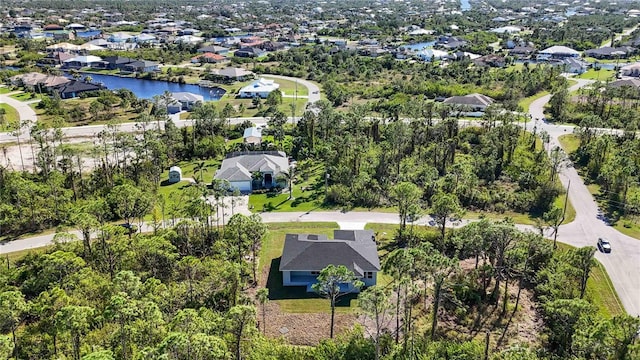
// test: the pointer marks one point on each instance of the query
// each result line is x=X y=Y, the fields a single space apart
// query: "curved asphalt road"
x=622 y=264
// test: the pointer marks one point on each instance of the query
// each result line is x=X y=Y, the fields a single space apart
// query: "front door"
x=268 y=180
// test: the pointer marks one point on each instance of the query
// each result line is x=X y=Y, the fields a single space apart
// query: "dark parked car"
x=604 y=245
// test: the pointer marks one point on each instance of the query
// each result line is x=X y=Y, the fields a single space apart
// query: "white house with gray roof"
x=305 y=255
x=238 y=169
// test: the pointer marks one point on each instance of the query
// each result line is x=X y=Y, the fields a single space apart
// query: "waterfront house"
x=249 y=52
x=209 y=58
x=188 y=100
x=239 y=169
x=259 y=88
x=632 y=70
x=234 y=74
x=81 y=61
x=305 y=255
x=74 y=88
x=141 y=66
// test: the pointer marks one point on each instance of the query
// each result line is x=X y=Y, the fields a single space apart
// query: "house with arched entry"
x=246 y=171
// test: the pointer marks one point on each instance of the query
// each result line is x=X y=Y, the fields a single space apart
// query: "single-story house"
x=252 y=135
x=234 y=74
x=305 y=255
x=632 y=83
x=54 y=58
x=117 y=62
x=522 y=52
x=631 y=70
x=609 y=52
x=188 y=100
x=81 y=61
x=74 y=87
x=119 y=37
x=145 y=38
x=249 y=52
x=220 y=50
x=259 y=88
x=239 y=168
x=557 y=52
x=37 y=81
x=141 y=66
x=189 y=39
x=475 y=102
x=208 y=58
x=492 y=60
x=431 y=54
x=175 y=174
x=574 y=66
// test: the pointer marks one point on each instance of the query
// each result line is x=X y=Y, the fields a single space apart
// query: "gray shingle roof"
x=355 y=249
x=239 y=168
x=471 y=100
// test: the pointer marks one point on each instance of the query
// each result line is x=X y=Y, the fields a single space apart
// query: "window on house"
x=315 y=273
x=368 y=275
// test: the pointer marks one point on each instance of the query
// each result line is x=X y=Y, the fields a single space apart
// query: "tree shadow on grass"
x=279 y=292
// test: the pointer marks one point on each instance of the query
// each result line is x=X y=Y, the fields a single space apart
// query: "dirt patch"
x=302 y=329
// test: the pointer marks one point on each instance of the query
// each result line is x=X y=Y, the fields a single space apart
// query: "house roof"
x=252 y=132
x=240 y=167
x=471 y=100
x=212 y=49
x=175 y=168
x=261 y=85
x=355 y=249
x=118 y=60
x=633 y=66
x=77 y=86
x=86 y=59
x=187 y=96
x=234 y=72
x=559 y=50
x=625 y=82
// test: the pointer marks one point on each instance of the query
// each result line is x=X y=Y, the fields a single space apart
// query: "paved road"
x=623 y=263
x=618 y=37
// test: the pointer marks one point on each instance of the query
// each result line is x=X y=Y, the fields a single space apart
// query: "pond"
x=147 y=89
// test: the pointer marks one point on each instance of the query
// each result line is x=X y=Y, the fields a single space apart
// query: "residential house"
x=431 y=54
x=249 y=52
x=74 y=88
x=230 y=74
x=189 y=39
x=188 y=100
x=220 y=50
x=305 y=255
x=632 y=70
x=259 y=88
x=492 y=60
x=119 y=37
x=54 y=58
x=573 y=65
x=557 y=52
x=145 y=39
x=272 y=46
x=522 y=52
x=209 y=58
x=609 y=52
x=117 y=62
x=81 y=61
x=632 y=83
x=475 y=102
x=239 y=169
x=252 y=135
x=141 y=66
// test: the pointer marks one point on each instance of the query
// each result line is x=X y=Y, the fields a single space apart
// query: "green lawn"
x=526 y=102
x=289 y=87
x=5 y=90
x=11 y=117
x=569 y=142
x=520 y=218
x=24 y=96
x=308 y=192
x=601 y=75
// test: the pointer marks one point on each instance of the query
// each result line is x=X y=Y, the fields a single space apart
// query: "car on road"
x=604 y=245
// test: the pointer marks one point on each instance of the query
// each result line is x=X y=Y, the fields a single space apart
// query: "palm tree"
x=199 y=168
x=287 y=176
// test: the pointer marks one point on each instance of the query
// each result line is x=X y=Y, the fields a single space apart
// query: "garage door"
x=243 y=186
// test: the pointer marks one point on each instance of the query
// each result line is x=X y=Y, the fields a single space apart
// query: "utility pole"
x=566 y=200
